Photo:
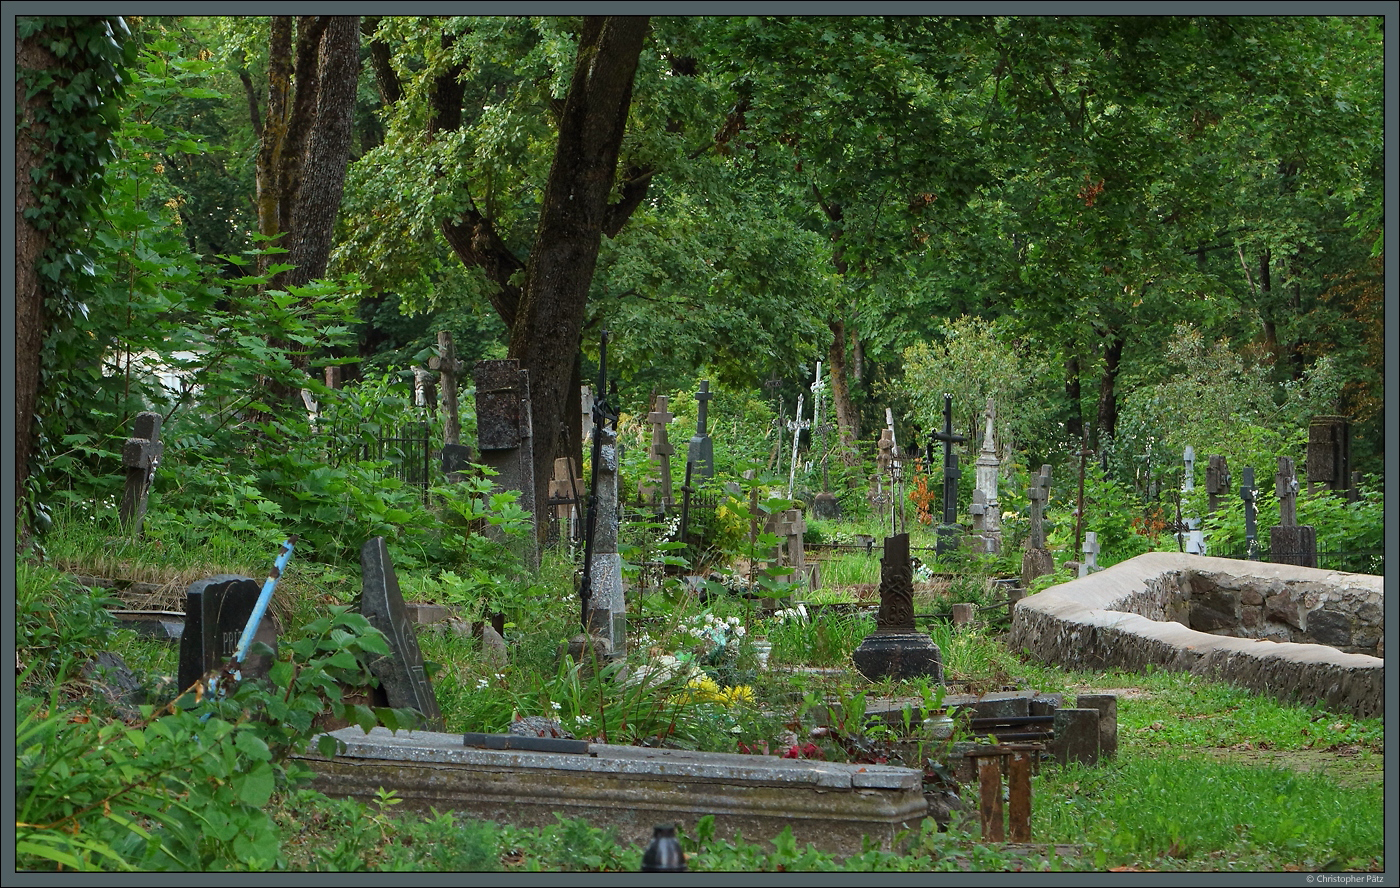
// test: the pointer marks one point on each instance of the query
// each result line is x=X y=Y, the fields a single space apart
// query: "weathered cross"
x=661 y=447
x=1039 y=494
x=701 y=450
x=1217 y=482
x=1091 y=554
x=448 y=367
x=1286 y=489
x=140 y=456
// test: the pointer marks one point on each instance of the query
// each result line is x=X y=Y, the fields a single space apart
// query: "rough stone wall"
x=1143 y=611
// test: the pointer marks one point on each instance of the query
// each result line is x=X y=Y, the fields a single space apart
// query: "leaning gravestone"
x=216 y=613
x=403 y=682
x=141 y=455
x=895 y=649
x=1329 y=453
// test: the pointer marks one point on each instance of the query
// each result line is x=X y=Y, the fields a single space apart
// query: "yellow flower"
x=738 y=694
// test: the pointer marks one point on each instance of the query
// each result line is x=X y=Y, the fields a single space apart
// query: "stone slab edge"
x=435 y=747
x=1080 y=625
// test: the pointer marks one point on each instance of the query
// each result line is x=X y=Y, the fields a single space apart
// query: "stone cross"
x=1039 y=494
x=506 y=439
x=605 y=609
x=217 y=610
x=701 y=450
x=1329 y=452
x=403 y=678
x=448 y=367
x=1217 y=482
x=978 y=510
x=795 y=426
x=660 y=452
x=947 y=532
x=1290 y=543
x=585 y=407
x=988 y=465
x=1091 y=554
x=140 y=456
x=1249 y=494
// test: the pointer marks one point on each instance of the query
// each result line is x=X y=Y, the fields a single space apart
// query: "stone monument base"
x=899 y=655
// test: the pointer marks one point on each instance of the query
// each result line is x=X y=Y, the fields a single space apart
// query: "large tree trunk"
x=305 y=148
x=30 y=244
x=1074 y=425
x=549 y=318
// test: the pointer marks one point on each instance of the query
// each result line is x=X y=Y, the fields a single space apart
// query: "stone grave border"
x=1101 y=621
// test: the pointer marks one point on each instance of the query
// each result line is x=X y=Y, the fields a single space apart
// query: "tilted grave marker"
x=403 y=681
x=1195 y=542
x=141 y=455
x=216 y=613
x=1091 y=554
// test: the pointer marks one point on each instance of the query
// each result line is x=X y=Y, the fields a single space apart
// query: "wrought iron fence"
x=1367 y=561
x=408 y=450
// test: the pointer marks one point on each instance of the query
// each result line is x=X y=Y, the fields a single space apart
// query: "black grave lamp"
x=664 y=854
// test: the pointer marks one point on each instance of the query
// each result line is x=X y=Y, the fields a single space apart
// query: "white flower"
x=481 y=683
x=500 y=676
x=555 y=706
x=739 y=631
x=733 y=621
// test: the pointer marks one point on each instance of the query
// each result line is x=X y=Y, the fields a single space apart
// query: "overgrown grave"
x=403 y=680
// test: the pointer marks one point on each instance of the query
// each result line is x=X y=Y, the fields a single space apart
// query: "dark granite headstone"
x=455 y=458
x=403 y=682
x=1329 y=452
x=701 y=450
x=216 y=613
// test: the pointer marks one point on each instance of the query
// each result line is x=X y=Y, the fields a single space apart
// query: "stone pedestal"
x=889 y=653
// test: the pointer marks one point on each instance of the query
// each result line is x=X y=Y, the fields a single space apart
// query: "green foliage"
x=187 y=788
x=56 y=620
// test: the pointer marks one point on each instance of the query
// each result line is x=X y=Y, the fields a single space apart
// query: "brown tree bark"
x=847 y=421
x=1074 y=425
x=1108 y=397
x=30 y=243
x=549 y=318
x=305 y=147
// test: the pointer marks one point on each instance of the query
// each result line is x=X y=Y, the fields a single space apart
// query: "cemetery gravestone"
x=216 y=613
x=1289 y=543
x=896 y=649
x=1217 y=482
x=141 y=455
x=701 y=452
x=980 y=541
x=1091 y=554
x=403 y=681
x=1329 y=453
x=948 y=531
x=505 y=437
x=448 y=367
x=1037 y=561
x=988 y=466
x=660 y=452
x=1195 y=542
x=606 y=607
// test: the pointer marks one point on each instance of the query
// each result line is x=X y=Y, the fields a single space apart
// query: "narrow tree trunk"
x=549 y=319
x=1108 y=398
x=847 y=420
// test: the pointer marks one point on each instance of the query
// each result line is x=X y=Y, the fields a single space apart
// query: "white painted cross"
x=1091 y=554
x=795 y=426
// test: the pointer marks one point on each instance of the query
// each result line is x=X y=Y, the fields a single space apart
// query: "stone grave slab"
x=216 y=613
x=835 y=807
x=403 y=682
